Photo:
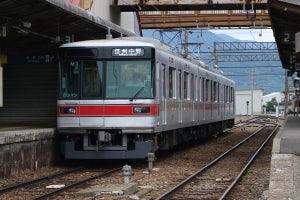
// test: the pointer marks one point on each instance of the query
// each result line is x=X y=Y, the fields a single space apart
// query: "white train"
x=123 y=98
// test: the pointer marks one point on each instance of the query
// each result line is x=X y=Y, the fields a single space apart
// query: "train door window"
x=172 y=81
x=92 y=79
x=227 y=94
x=196 y=88
x=185 y=85
x=202 y=81
x=207 y=90
x=164 y=81
x=69 y=80
x=192 y=87
x=215 y=89
x=219 y=92
x=232 y=94
x=222 y=93
x=180 y=84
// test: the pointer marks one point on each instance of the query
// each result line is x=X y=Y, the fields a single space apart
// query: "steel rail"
x=23 y=184
x=76 y=183
x=181 y=184
x=247 y=121
x=247 y=165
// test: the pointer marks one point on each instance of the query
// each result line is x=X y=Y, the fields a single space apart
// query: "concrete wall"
x=20 y=149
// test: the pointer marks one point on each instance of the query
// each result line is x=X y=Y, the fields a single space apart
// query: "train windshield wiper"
x=137 y=93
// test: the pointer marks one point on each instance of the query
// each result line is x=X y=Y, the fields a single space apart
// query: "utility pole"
x=185 y=44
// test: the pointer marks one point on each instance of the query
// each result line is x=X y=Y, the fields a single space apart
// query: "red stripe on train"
x=108 y=110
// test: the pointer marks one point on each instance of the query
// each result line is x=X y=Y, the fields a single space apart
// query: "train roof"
x=123 y=41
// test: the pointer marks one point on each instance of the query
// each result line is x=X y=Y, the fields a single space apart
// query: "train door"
x=214 y=99
x=163 y=110
x=227 y=110
x=204 y=97
x=221 y=100
x=197 y=97
x=193 y=96
x=179 y=95
x=232 y=101
x=218 y=100
x=208 y=106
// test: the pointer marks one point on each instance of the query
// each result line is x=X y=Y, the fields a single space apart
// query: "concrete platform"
x=287 y=139
x=285 y=164
x=9 y=135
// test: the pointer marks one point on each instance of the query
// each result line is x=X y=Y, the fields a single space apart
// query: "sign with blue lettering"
x=32 y=59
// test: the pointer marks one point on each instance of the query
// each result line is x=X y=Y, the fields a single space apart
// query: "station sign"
x=32 y=59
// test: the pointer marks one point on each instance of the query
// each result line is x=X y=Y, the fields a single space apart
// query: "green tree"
x=270 y=105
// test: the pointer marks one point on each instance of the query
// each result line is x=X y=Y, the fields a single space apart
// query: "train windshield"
x=69 y=80
x=129 y=79
x=81 y=77
x=106 y=79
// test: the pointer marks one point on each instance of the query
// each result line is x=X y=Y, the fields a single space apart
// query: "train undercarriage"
x=113 y=144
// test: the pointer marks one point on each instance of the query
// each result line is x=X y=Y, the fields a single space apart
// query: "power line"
x=269 y=66
x=255 y=74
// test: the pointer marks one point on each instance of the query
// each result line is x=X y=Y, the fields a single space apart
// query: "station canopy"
x=42 y=25
x=285 y=15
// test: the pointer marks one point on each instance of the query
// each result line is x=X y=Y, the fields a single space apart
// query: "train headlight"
x=141 y=109
x=68 y=110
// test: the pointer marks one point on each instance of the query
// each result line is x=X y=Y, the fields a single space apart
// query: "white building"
x=279 y=96
x=248 y=102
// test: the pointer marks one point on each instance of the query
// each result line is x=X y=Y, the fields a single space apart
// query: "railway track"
x=219 y=177
x=168 y=177
x=54 y=184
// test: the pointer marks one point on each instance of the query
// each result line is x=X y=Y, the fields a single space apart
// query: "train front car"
x=106 y=107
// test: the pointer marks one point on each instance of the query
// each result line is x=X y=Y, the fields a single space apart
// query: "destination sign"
x=128 y=52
